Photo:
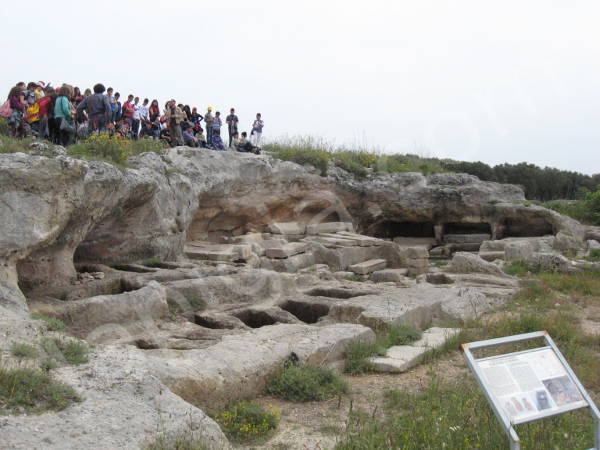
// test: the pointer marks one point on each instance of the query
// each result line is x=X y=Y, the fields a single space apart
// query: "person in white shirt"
x=257 y=127
x=144 y=112
x=135 y=119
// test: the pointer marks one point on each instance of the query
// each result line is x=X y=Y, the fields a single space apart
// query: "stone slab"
x=400 y=358
x=287 y=228
x=491 y=256
x=287 y=250
x=225 y=253
x=369 y=266
x=329 y=227
x=394 y=275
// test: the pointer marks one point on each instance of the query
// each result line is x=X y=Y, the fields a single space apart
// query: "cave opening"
x=390 y=229
x=467 y=228
x=532 y=227
x=308 y=312
x=254 y=318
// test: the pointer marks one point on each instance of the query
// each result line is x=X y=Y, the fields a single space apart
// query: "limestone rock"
x=287 y=250
x=549 y=261
x=463 y=262
x=369 y=266
x=394 y=275
x=287 y=228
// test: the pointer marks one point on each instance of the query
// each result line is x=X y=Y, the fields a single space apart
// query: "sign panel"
x=530 y=385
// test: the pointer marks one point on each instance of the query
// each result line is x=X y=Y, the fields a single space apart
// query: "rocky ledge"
x=196 y=274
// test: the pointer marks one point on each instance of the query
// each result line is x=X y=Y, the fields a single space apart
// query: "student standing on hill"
x=257 y=127
x=208 y=120
x=118 y=109
x=217 y=123
x=98 y=109
x=174 y=116
x=62 y=115
x=128 y=109
x=135 y=122
x=232 y=125
x=113 y=103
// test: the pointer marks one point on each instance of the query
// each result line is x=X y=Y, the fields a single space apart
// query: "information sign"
x=530 y=384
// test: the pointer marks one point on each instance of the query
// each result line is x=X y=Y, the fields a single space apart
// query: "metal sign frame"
x=507 y=423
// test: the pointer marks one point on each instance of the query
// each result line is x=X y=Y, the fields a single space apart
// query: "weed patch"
x=71 y=351
x=30 y=391
x=305 y=383
x=24 y=351
x=52 y=323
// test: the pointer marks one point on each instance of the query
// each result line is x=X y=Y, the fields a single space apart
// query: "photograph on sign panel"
x=526 y=404
x=563 y=390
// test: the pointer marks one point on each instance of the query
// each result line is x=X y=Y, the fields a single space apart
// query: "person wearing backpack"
x=17 y=106
x=63 y=115
x=98 y=109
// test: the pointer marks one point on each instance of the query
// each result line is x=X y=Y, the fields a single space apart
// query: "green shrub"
x=48 y=364
x=72 y=351
x=247 y=421
x=305 y=383
x=24 y=351
x=52 y=323
x=115 y=149
x=31 y=391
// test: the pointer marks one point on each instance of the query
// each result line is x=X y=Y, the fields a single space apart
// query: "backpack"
x=5 y=109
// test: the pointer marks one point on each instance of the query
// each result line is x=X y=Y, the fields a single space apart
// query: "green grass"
x=30 y=391
x=24 y=351
x=518 y=269
x=358 y=162
x=305 y=383
x=52 y=323
x=356 y=277
x=594 y=255
x=197 y=303
x=455 y=415
x=72 y=351
x=152 y=262
x=12 y=145
x=114 y=149
x=179 y=442
x=358 y=352
x=247 y=422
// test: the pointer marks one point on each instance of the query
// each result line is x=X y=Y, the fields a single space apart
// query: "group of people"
x=64 y=115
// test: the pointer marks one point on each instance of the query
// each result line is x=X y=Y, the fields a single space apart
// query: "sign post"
x=530 y=384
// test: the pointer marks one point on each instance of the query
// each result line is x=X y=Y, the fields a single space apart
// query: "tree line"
x=541 y=184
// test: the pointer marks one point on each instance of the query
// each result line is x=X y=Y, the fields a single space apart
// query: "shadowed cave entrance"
x=390 y=229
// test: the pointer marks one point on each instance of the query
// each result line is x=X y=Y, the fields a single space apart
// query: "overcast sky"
x=502 y=81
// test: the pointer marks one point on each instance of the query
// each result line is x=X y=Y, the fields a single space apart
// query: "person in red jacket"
x=128 y=110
